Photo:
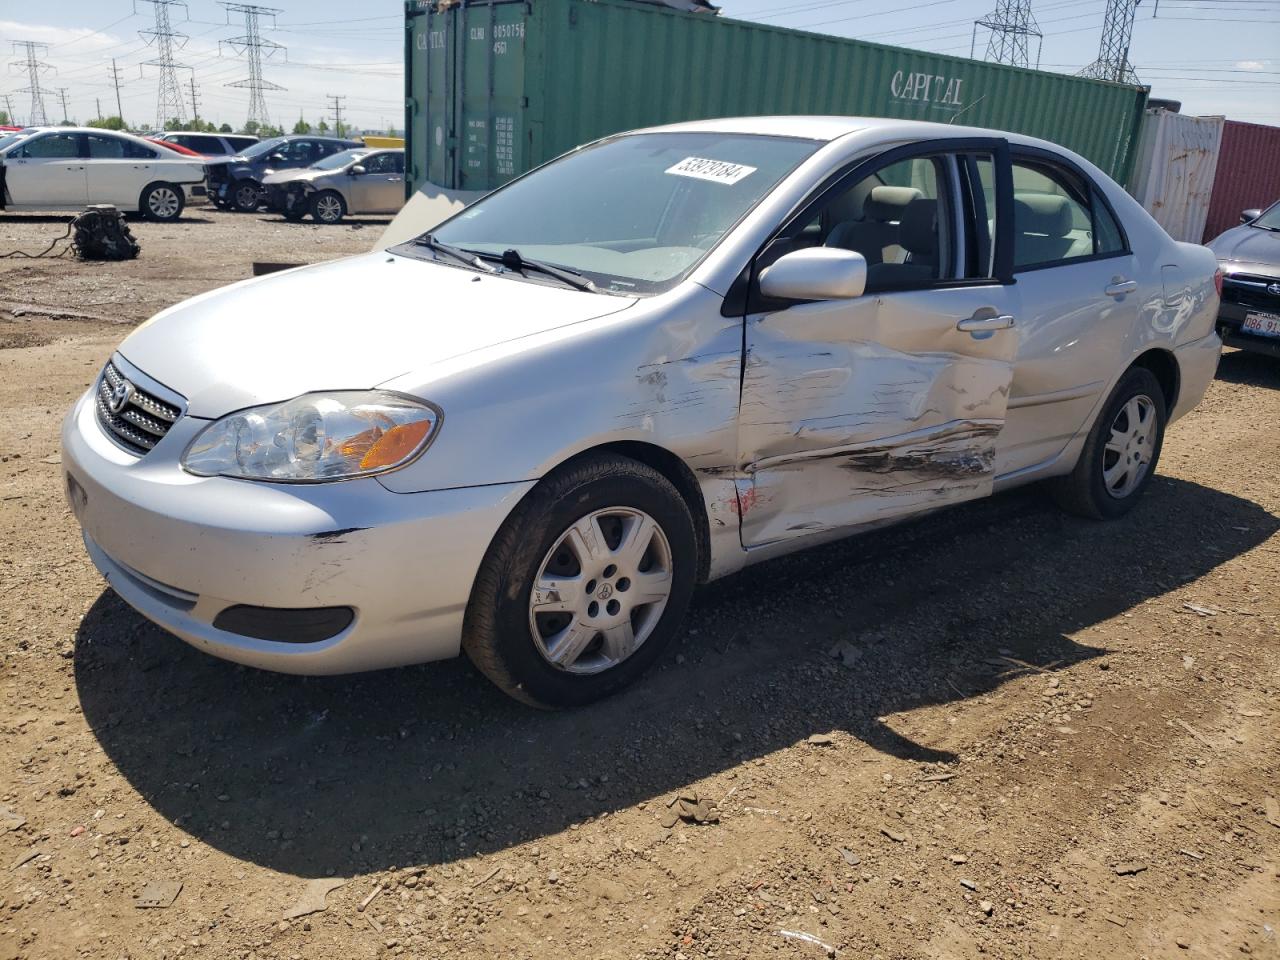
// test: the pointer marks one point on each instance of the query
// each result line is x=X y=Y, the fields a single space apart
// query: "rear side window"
x=1058 y=218
x=54 y=146
x=102 y=147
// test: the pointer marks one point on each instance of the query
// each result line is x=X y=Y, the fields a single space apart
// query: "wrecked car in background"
x=351 y=182
x=663 y=357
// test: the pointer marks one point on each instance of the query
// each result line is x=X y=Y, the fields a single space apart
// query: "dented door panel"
x=860 y=411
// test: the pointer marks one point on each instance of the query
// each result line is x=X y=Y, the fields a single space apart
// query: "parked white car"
x=220 y=146
x=68 y=168
x=648 y=364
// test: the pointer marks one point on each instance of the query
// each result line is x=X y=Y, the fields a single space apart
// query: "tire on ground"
x=327 y=206
x=1084 y=491
x=497 y=635
x=240 y=196
x=162 y=202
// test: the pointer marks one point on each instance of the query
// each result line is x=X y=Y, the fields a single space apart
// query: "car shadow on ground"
x=66 y=218
x=349 y=221
x=1249 y=369
x=429 y=764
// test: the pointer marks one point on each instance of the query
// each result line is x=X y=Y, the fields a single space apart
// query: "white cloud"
x=1250 y=65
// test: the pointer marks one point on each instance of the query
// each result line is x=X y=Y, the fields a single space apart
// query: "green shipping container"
x=496 y=87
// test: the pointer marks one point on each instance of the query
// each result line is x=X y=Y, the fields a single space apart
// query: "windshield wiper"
x=512 y=260
x=469 y=257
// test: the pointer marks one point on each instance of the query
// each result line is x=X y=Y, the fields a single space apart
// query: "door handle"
x=977 y=324
x=1119 y=287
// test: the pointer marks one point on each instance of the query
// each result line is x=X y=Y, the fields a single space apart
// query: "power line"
x=251 y=45
x=1011 y=26
x=169 y=102
x=34 y=67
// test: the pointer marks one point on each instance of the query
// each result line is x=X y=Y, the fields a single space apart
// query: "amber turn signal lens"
x=395 y=445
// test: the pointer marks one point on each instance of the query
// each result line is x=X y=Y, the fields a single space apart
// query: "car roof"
x=829 y=128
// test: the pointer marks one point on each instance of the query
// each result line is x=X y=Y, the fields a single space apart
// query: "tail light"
x=1217 y=281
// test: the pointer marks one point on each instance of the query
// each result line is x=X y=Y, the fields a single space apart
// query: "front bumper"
x=182 y=549
x=1230 y=323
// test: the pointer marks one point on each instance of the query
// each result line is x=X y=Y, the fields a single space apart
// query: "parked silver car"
x=648 y=364
x=1250 y=257
x=353 y=181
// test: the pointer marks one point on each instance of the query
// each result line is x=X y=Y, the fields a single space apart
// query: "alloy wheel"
x=601 y=590
x=329 y=208
x=1126 y=458
x=163 y=203
x=247 y=198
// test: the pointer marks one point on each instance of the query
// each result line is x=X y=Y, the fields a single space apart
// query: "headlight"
x=315 y=437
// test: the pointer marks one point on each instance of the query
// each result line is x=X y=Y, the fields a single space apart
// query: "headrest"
x=919 y=230
x=1042 y=213
x=888 y=203
x=851 y=205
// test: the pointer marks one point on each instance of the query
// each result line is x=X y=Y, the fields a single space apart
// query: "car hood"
x=348 y=324
x=296 y=176
x=1245 y=244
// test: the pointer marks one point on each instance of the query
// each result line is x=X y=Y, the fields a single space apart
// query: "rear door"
x=865 y=410
x=118 y=169
x=47 y=170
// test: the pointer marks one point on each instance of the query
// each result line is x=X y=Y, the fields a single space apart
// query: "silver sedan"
x=662 y=357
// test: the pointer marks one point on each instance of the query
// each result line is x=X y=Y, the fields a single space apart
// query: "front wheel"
x=585 y=584
x=328 y=207
x=245 y=196
x=1120 y=456
x=162 y=202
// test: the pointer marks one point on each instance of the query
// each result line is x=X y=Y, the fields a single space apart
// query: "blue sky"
x=1217 y=56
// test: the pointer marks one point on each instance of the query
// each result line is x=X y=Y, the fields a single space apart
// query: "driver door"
x=865 y=410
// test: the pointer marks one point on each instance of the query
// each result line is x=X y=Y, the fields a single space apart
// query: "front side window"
x=634 y=214
x=53 y=146
x=1057 y=217
x=264 y=148
x=385 y=163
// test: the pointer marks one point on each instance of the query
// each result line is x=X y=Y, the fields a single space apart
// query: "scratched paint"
x=859 y=412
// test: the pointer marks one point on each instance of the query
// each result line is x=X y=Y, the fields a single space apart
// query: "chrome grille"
x=141 y=420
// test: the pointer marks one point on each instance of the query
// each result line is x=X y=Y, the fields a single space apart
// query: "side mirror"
x=818 y=273
x=276 y=158
x=1248 y=216
x=358 y=170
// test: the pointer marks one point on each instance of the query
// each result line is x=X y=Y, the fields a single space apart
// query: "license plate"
x=1264 y=324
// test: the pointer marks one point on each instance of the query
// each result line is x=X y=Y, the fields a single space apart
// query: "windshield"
x=634 y=214
x=337 y=161
x=1270 y=219
x=263 y=148
x=9 y=139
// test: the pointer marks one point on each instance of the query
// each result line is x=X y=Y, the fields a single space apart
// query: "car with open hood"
x=665 y=356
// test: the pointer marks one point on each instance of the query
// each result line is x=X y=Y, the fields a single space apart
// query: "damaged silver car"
x=663 y=357
x=351 y=182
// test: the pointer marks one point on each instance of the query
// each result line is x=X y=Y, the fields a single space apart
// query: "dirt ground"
x=1041 y=737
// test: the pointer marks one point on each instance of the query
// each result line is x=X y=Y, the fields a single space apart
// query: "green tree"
x=301 y=126
x=322 y=126
x=4 y=119
x=108 y=123
x=225 y=128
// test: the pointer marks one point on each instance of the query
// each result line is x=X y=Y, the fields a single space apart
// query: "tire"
x=327 y=206
x=1100 y=487
x=614 y=495
x=294 y=212
x=162 y=202
x=244 y=196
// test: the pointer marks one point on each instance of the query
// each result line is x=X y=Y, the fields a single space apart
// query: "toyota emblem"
x=121 y=396
x=1273 y=289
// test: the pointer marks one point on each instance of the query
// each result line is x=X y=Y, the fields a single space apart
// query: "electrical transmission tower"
x=251 y=46
x=34 y=67
x=1012 y=26
x=335 y=103
x=1113 y=52
x=169 y=101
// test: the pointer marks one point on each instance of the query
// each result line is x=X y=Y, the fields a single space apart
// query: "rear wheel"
x=328 y=206
x=162 y=202
x=585 y=584
x=244 y=197
x=1120 y=456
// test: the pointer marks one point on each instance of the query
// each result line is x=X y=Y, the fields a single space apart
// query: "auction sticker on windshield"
x=717 y=171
